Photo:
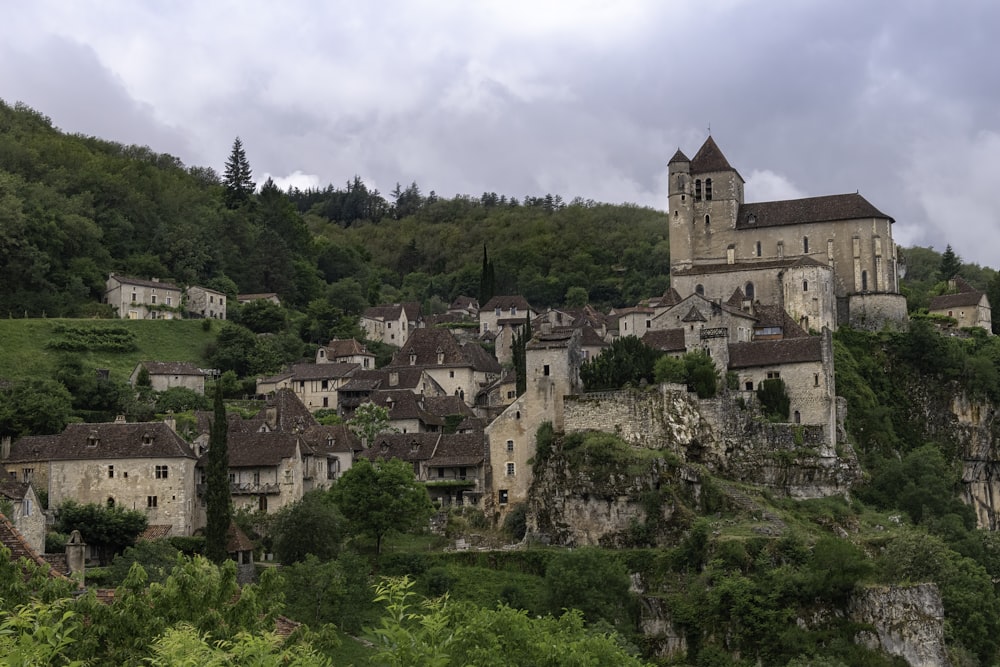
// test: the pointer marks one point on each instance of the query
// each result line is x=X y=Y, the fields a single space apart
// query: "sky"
x=899 y=101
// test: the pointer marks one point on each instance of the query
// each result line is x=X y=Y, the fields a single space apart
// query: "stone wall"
x=873 y=312
x=906 y=621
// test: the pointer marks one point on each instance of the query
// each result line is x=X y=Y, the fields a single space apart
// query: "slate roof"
x=776 y=316
x=12 y=489
x=328 y=371
x=339 y=347
x=426 y=343
x=171 y=368
x=962 y=299
x=459 y=449
x=237 y=540
x=775 y=352
x=111 y=441
x=139 y=282
x=409 y=447
x=737 y=299
x=333 y=439
x=462 y=302
x=259 y=450
x=665 y=340
x=679 y=157
x=827 y=208
x=291 y=415
x=709 y=158
x=393 y=311
x=447 y=405
x=671 y=297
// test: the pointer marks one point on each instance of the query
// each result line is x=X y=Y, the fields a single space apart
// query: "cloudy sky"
x=897 y=100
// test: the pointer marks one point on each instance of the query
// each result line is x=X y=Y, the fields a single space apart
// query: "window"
x=111 y=472
x=805 y=285
x=815 y=379
x=169 y=300
x=510 y=445
x=502 y=496
x=256 y=477
x=749 y=291
x=649 y=324
x=864 y=281
x=27 y=474
x=232 y=478
x=497 y=311
x=545 y=369
x=699 y=290
x=462 y=472
x=150 y=501
x=325 y=384
x=211 y=299
x=513 y=310
x=798 y=417
x=805 y=244
x=262 y=503
x=161 y=472
x=388 y=325
x=135 y=297
x=708 y=220
x=510 y=469
x=697 y=189
x=326 y=401
x=451 y=374
x=27 y=507
x=440 y=472
x=152 y=298
x=774 y=375
x=758 y=249
x=708 y=189
x=111 y=502
x=749 y=386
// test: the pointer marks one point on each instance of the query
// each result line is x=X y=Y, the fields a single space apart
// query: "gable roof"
x=962 y=299
x=776 y=316
x=827 y=208
x=506 y=302
x=775 y=352
x=139 y=282
x=340 y=347
x=256 y=450
x=285 y=411
x=393 y=311
x=328 y=371
x=459 y=449
x=665 y=340
x=332 y=439
x=426 y=344
x=12 y=489
x=409 y=447
x=19 y=548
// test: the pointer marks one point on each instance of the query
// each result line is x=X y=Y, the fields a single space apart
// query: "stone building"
x=26 y=515
x=391 y=324
x=459 y=369
x=827 y=260
x=165 y=375
x=137 y=299
x=967 y=305
x=204 y=302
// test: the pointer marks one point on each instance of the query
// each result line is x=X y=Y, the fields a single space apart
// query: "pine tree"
x=951 y=265
x=238 y=179
x=217 y=498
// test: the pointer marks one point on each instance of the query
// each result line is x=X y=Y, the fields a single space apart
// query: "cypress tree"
x=217 y=497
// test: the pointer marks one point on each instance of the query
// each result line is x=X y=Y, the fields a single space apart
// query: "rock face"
x=728 y=435
x=906 y=621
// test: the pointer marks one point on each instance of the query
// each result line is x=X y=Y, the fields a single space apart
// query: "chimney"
x=76 y=553
x=171 y=422
x=120 y=419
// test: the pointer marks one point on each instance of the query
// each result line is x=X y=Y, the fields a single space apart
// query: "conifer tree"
x=238 y=178
x=951 y=265
x=217 y=498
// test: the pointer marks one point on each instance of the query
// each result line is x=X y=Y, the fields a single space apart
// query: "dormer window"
x=147 y=439
x=513 y=310
x=414 y=447
x=413 y=358
x=751 y=219
x=93 y=440
x=708 y=189
x=440 y=356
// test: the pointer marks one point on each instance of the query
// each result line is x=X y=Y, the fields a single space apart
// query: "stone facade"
x=204 y=302
x=719 y=243
x=164 y=375
x=27 y=515
x=391 y=324
x=136 y=299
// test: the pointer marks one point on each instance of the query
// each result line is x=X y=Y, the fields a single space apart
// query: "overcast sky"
x=897 y=100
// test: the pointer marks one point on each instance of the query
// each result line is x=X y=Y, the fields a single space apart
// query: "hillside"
x=28 y=349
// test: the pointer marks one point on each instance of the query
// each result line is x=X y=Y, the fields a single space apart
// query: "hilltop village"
x=756 y=288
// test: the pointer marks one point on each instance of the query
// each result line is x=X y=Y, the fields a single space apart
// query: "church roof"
x=709 y=158
x=809 y=209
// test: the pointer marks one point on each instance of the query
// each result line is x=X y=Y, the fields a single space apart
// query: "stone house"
x=26 y=459
x=347 y=351
x=967 y=305
x=416 y=413
x=316 y=385
x=136 y=299
x=364 y=383
x=141 y=466
x=165 y=375
x=451 y=466
x=391 y=324
x=205 y=302
x=496 y=396
x=552 y=360
x=634 y=321
x=27 y=515
x=464 y=306
x=460 y=370
x=500 y=318
x=833 y=256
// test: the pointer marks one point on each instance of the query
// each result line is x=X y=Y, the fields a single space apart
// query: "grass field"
x=25 y=350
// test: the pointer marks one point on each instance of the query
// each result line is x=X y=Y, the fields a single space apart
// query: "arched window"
x=758 y=249
x=805 y=285
x=864 y=281
x=708 y=221
x=111 y=502
x=697 y=189
x=699 y=289
x=805 y=244
x=708 y=189
x=798 y=417
x=749 y=291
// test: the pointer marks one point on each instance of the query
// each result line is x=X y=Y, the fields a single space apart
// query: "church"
x=828 y=261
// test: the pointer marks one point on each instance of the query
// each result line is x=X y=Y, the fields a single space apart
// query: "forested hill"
x=75 y=208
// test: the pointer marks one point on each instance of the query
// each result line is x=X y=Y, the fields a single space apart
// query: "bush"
x=515 y=523
x=774 y=399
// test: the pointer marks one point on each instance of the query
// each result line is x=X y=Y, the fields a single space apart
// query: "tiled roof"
x=506 y=303
x=665 y=340
x=459 y=449
x=333 y=370
x=338 y=347
x=444 y=406
x=590 y=338
x=694 y=315
x=426 y=344
x=171 y=368
x=259 y=296
x=480 y=359
x=156 y=532
x=962 y=299
x=404 y=446
x=393 y=311
x=671 y=297
x=255 y=450
x=290 y=414
x=557 y=338
x=737 y=299
x=809 y=209
x=139 y=282
x=104 y=441
x=678 y=157
x=237 y=540
x=464 y=303
x=709 y=158
x=775 y=352
x=19 y=548
x=776 y=316
x=334 y=439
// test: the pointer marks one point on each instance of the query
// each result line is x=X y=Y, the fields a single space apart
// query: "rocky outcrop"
x=905 y=621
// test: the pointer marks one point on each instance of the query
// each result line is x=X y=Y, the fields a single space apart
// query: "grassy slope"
x=23 y=352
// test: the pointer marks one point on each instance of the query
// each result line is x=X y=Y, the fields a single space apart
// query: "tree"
x=368 y=421
x=107 y=529
x=950 y=265
x=238 y=177
x=311 y=526
x=626 y=361
x=381 y=497
x=576 y=297
x=774 y=399
x=519 y=356
x=670 y=369
x=487 y=279
x=217 y=496
x=702 y=375
x=34 y=407
x=993 y=294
